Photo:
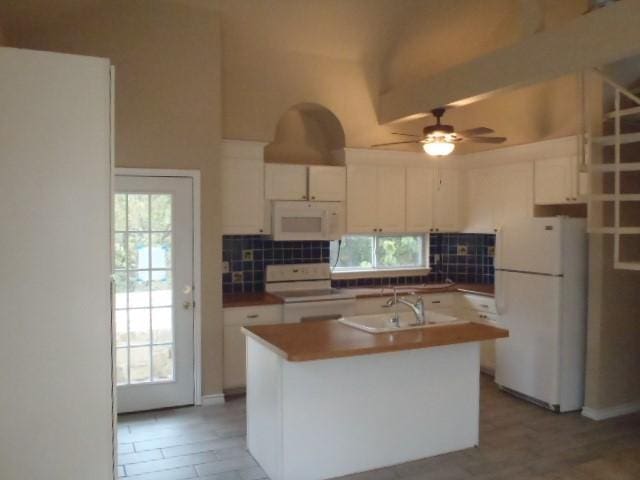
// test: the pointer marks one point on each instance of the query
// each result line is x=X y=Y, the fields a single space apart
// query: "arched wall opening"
x=309 y=134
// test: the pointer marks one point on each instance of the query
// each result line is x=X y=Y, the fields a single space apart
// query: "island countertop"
x=300 y=342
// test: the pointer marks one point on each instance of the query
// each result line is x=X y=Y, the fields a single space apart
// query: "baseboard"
x=213 y=399
x=611 y=412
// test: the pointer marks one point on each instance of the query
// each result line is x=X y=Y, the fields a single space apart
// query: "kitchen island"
x=325 y=399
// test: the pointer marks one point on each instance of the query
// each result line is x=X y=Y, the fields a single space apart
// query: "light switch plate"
x=225 y=267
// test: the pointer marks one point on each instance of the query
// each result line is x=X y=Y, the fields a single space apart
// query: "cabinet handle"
x=253 y=315
x=261 y=230
x=436 y=301
x=484 y=306
x=313 y=198
x=379 y=229
x=304 y=197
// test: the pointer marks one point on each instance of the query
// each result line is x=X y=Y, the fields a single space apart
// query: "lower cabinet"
x=234 y=340
x=481 y=309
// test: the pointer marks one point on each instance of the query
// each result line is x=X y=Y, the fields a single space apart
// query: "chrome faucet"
x=416 y=307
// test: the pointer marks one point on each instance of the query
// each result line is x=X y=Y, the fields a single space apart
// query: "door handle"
x=187 y=304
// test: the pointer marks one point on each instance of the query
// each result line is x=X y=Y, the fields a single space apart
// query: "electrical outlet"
x=225 y=267
x=463 y=250
x=237 y=277
x=247 y=255
x=436 y=258
x=491 y=251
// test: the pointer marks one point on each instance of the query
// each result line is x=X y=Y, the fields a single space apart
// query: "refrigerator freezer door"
x=528 y=361
x=534 y=245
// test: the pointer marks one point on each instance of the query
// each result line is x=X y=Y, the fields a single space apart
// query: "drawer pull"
x=436 y=301
x=253 y=315
x=484 y=306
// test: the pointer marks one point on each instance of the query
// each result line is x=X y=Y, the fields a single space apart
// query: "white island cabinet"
x=325 y=399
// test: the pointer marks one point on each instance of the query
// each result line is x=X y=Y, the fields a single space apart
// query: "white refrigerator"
x=541 y=284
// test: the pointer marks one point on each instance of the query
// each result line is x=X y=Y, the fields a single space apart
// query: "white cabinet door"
x=327 y=184
x=362 y=185
x=419 y=199
x=234 y=340
x=481 y=200
x=243 y=204
x=556 y=181
x=285 y=182
x=514 y=189
x=391 y=200
x=446 y=202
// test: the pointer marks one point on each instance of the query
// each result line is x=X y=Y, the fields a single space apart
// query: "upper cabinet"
x=496 y=195
x=556 y=181
x=327 y=183
x=419 y=199
x=446 y=201
x=375 y=199
x=285 y=182
x=302 y=182
x=243 y=205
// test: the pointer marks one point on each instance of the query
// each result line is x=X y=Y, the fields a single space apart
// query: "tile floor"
x=518 y=442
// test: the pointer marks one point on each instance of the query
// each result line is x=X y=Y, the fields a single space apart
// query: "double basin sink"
x=384 y=322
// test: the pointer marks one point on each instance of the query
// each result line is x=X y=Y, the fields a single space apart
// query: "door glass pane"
x=139 y=326
x=139 y=364
x=122 y=329
x=143 y=248
x=122 y=366
x=160 y=213
x=120 y=212
x=139 y=289
x=120 y=279
x=137 y=212
x=161 y=292
x=119 y=251
x=161 y=250
x=162 y=325
x=162 y=363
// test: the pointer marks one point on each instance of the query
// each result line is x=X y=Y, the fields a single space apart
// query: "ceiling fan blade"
x=485 y=139
x=472 y=132
x=405 y=134
x=394 y=143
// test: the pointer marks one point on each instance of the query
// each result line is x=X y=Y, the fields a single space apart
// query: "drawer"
x=253 y=315
x=479 y=303
x=435 y=301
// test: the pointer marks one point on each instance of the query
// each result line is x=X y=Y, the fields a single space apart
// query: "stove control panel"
x=298 y=272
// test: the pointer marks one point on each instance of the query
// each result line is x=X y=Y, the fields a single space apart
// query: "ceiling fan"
x=439 y=140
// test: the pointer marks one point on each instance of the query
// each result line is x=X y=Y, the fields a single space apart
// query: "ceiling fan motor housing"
x=438 y=129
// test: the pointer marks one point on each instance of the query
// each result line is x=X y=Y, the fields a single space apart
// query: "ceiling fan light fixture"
x=438 y=148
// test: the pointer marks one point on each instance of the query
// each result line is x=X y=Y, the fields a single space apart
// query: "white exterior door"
x=153 y=272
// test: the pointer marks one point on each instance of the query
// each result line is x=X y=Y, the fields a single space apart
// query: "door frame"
x=194 y=175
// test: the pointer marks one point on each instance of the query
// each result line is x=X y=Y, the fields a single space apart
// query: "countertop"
x=300 y=342
x=231 y=300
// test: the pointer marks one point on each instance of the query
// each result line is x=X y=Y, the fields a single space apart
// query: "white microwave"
x=307 y=220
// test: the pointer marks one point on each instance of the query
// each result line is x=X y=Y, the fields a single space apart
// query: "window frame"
x=382 y=271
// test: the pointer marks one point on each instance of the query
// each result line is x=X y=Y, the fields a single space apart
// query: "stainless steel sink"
x=384 y=322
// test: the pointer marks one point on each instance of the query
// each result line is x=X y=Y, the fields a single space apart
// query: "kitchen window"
x=369 y=255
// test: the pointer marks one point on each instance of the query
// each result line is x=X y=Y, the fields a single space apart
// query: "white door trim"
x=197 y=274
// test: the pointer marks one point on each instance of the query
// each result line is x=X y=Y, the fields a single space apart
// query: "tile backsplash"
x=462 y=257
x=249 y=255
x=459 y=257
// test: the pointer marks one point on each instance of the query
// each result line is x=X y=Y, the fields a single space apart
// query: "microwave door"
x=301 y=225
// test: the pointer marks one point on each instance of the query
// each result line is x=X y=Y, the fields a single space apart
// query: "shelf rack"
x=614 y=170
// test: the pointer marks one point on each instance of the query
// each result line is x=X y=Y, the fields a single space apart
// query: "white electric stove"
x=306 y=292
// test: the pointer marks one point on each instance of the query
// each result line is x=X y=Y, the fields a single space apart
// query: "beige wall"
x=613 y=353
x=168 y=113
